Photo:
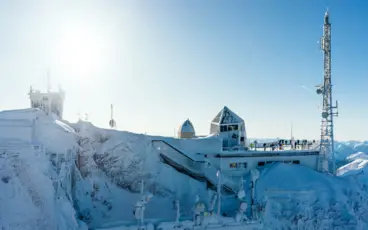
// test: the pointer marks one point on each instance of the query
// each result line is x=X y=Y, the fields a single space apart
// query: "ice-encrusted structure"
x=35 y=172
x=56 y=174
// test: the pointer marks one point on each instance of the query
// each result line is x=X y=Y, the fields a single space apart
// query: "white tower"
x=327 y=152
x=50 y=102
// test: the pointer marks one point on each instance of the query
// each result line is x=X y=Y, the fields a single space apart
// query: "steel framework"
x=327 y=152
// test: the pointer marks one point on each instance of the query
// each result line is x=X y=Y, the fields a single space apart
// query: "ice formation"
x=60 y=175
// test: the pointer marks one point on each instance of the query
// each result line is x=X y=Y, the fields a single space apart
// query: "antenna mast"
x=112 y=122
x=327 y=152
x=48 y=81
x=291 y=130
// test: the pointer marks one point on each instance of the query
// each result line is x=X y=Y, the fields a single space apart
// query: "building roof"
x=226 y=116
x=186 y=127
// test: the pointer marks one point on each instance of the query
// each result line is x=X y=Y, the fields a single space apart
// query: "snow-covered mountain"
x=95 y=171
x=60 y=175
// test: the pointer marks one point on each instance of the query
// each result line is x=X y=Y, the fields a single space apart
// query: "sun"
x=80 y=52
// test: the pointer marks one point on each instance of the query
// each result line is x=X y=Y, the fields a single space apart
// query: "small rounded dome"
x=186 y=130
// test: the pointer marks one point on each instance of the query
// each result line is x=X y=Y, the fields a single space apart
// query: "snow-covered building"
x=186 y=130
x=48 y=101
x=230 y=127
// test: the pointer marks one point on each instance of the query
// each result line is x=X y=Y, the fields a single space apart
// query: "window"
x=296 y=162
x=223 y=128
x=233 y=127
x=241 y=139
x=239 y=165
x=261 y=163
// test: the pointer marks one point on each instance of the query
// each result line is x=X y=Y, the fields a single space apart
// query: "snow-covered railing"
x=178 y=156
x=196 y=168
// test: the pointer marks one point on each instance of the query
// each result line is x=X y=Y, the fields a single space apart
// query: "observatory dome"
x=186 y=130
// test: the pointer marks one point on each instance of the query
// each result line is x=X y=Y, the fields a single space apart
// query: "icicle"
x=177 y=206
x=219 y=194
x=212 y=203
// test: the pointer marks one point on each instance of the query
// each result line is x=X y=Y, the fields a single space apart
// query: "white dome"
x=186 y=129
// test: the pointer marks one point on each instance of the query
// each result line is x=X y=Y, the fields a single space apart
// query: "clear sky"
x=160 y=62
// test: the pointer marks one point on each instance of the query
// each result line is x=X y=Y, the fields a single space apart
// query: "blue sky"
x=160 y=62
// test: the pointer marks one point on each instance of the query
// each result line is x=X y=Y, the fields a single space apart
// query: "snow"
x=59 y=175
x=299 y=198
x=27 y=175
x=27 y=197
x=358 y=166
x=358 y=155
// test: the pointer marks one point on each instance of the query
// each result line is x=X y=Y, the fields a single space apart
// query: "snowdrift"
x=30 y=193
x=296 y=197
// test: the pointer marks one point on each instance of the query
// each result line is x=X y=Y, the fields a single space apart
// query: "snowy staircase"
x=194 y=168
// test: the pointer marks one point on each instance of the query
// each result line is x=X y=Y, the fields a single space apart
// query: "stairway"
x=194 y=168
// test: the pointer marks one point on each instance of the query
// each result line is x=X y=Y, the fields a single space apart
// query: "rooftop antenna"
x=112 y=122
x=327 y=151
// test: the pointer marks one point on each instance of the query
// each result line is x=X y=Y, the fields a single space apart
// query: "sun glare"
x=81 y=53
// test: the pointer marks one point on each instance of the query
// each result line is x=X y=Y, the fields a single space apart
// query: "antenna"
x=48 y=75
x=112 y=111
x=291 y=130
x=327 y=151
x=112 y=122
x=79 y=115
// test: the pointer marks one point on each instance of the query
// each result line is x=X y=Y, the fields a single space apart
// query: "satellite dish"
x=324 y=114
x=112 y=123
x=319 y=91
